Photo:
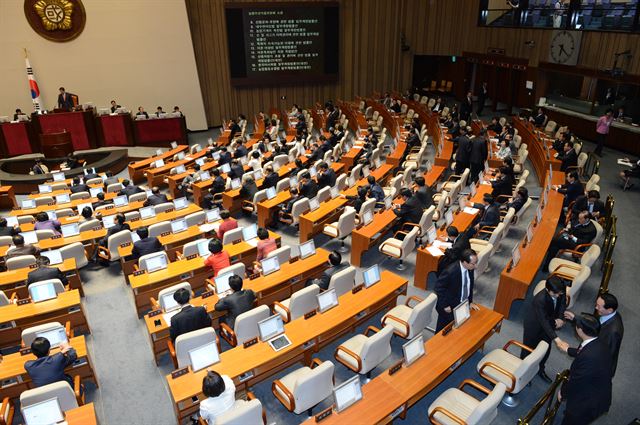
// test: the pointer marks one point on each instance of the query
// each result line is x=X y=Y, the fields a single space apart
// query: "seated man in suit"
x=572 y=189
x=326 y=176
x=18 y=114
x=518 y=201
x=502 y=184
x=582 y=232
x=39 y=167
x=238 y=302
x=5 y=230
x=375 y=190
x=219 y=184
x=71 y=162
x=540 y=119
x=189 y=318
x=237 y=170
x=77 y=186
x=156 y=198
x=308 y=188
x=249 y=188
x=459 y=242
x=590 y=202
x=208 y=202
x=142 y=113
x=410 y=210
x=488 y=216
x=225 y=156
x=569 y=157
x=335 y=265
x=423 y=192
x=285 y=208
x=110 y=178
x=241 y=150
x=271 y=178
x=129 y=188
x=101 y=201
x=146 y=245
x=48 y=369
x=234 y=128
x=44 y=272
x=454 y=286
x=21 y=248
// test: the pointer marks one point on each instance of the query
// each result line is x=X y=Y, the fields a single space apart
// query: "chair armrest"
x=286 y=310
x=397 y=319
x=447 y=413
x=517 y=343
x=209 y=282
x=371 y=329
x=563 y=276
x=228 y=334
x=68 y=330
x=315 y=362
x=418 y=300
x=154 y=303
x=6 y=407
x=568 y=266
x=77 y=389
x=104 y=253
x=202 y=421
x=499 y=369
x=179 y=255
x=399 y=232
x=350 y=354
x=581 y=246
x=453 y=178
x=14 y=297
x=475 y=385
x=172 y=353
x=485 y=231
x=289 y=403
x=409 y=225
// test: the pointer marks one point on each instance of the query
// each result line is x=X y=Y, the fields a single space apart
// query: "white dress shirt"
x=465 y=282
x=212 y=407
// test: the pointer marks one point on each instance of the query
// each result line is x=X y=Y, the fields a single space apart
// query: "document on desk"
x=167 y=316
x=253 y=242
x=470 y=210
x=435 y=251
x=441 y=245
x=207 y=227
x=624 y=161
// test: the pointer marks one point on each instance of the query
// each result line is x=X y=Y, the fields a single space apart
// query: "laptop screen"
x=367 y=217
x=180 y=169
x=147 y=212
x=235 y=183
x=413 y=349
x=222 y=282
x=94 y=191
x=432 y=234
x=257 y=174
x=159 y=163
x=120 y=201
x=108 y=221
x=44 y=412
x=314 y=204
x=271 y=192
x=327 y=300
x=270 y=327
x=52 y=215
x=204 y=176
x=55 y=336
x=44 y=188
x=371 y=276
x=213 y=215
x=71 y=229
x=63 y=199
x=157 y=262
x=12 y=221
x=30 y=237
x=42 y=291
x=225 y=168
x=174 y=145
x=388 y=202
x=181 y=156
x=335 y=192
x=347 y=393
x=293 y=181
x=448 y=217
x=54 y=256
x=180 y=203
x=270 y=265
x=57 y=177
x=307 y=249
x=178 y=226
x=203 y=248
x=200 y=161
x=168 y=302
x=28 y=204
x=313 y=171
x=249 y=233
x=204 y=356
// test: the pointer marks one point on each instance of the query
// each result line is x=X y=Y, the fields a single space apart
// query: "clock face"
x=564 y=47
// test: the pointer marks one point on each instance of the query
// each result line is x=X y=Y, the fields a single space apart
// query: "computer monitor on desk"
x=225 y=168
x=157 y=262
x=71 y=229
x=270 y=265
x=169 y=303
x=42 y=291
x=307 y=249
x=461 y=313
x=28 y=204
x=347 y=393
x=213 y=215
x=204 y=356
x=44 y=412
x=413 y=350
x=159 y=163
x=58 y=176
x=179 y=225
x=120 y=201
x=272 y=331
x=56 y=336
x=180 y=203
x=44 y=188
x=271 y=193
x=54 y=256
x=147 y=212
x=63 y=198
x=94 y=191
x=108 y=221
x=327 y=300
x=203 y=247
x=371 y=276
x=180 y=169
x=250 y=232
x=222 y=283
x=52 y=215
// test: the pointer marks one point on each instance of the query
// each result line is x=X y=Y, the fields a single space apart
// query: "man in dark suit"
x=240 y=301
x=48 y=369
x=569 y=157
x=219 y=184
x=544 y=318
x=410 y=210
x=466 y=107
x=156 y=198
x=490 y=215
x=572 y=189
x=502 y=184
x=64 y=100
x=237 y=170
x=590 y=202
x=335 y=265
x=482 y=97
x=454 y=286
x=77 y=186
x=463 y=152
x=587 y=392
x=225 y=156
x=581 y=233
x=146 y=245
x=241 y=151
x=326 y=176
x=285 y=208
x=39 y=167
x=478 y=155
x=540 y=119
x=44 y=272
x=422 y=192
x=189 y=318
x=6 y=230
x=110 y=178
x=101 y=201
x=129 y=189
x=271 y=178
x=119 y=226
x=332 y=116
x=308 y=188
x=234 y=129
x=459 y=242
x=611 y=327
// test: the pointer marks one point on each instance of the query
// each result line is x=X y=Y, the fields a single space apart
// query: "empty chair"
x=324 y=194
x=238 y=269
x=518 y=166
x=368 y=205
x=341 y=182
x=252 y=206
x=160 y=303
x=279 y=161
x=550 y=128
x=495 y=237
x=138 y=197
x=300 y=303
x=195 y=218
x=29 y=334
x=304 y=388
x=77 y=252
x=25 y=219
x=500 y=366
x=160 y=208
x=142 y=261
x=44 y=200
x=95 y=180
x=189 y=341
x=283 y=185
x=157 y=229
x=245 y=326
x=19 y=262
x=231 y=236
x=362 y=353
x=394 y=186
x=283 y=253
x=586 y=259
x=343 y=281
x=6 y=240
x=59 y=186
x=110 y=252
x=57 y=286
x=483 y=259
x=191 y=248
x=45 y=234
x=4 y=300
x=132 y=216
x=408 y=321
x=89 y=225
x=79 y=195
x=440 y=204
x=343 y=227
x=65 y=212
x=114 y=187
x=400 y=249
x=68 y=398
x=455 y=406
x=452 y=180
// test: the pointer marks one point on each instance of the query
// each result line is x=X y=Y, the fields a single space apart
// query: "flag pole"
x=33 y=85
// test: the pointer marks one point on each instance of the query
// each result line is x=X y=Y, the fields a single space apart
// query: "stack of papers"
x=441 y=245
x=253 y=242
x=625 y=161
x=435 y=251
x=470 y=210
x=207 y=227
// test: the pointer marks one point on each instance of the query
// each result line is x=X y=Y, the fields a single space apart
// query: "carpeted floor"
x=133 y=389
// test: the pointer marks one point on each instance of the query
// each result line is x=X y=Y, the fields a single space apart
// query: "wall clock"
x=565 y=47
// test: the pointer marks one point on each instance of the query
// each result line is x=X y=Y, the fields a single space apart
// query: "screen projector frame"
x=235 y=33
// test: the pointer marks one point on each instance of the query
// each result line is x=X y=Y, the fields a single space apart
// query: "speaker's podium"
x=56 y=145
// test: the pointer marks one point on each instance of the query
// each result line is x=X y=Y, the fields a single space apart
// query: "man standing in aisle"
x=454 y=286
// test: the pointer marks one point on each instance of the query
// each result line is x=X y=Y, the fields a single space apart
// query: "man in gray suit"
x=240 y=301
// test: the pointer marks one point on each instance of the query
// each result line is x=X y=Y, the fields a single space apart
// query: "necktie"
x=465 y=288
x=590 y=207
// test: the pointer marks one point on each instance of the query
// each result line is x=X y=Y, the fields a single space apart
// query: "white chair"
x=68 y=398
x=132 y=216
x=342 y=228
x=454 y=406
x=400 y=249
x=252 y=206
x=245 y=326
x=138 y=197
x=362 y=353
x=238 y=269
x=586 y=259
x=77 y=252
x=408 y=321
x=6 y=240
x=57 y=286
x=299 y=207
x=19 y=262
x=483 y=259
x=522 y=210
x=231 y=236
x=243 y=412
x=501 y=367
x=44 y=200
x=25 y=219
x=495 y=239
x=283 y=185
x=65 y=212
x=454 y=179
x=189 y=341
x=301 y=302
x=577 y=278
x=110 y=252
x=45 y=234
x=343 y=281
x=394 y=186
x=157 y=229
x=304 y=388
x=142 y=261
x=59 y=186
x=368 y=205
x=114 y=187
x=31 y=333
x=283 y=253
x=169 y=291
x=160 y=208
x=195 y=218
x=190 y=248
x=441 y=201
x=79 y=195
x=4 y=300
x=88 y=225
x=426 y=221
